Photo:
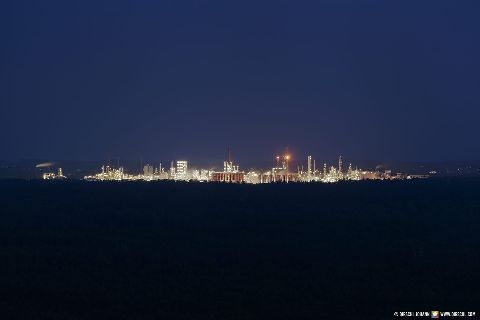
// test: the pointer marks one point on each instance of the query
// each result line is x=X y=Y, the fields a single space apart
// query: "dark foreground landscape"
x=78 y=250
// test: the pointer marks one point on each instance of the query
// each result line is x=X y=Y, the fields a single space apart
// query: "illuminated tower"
x=230 y=173
x=340 y=164
x=324 y=170
x=228 y=165
x=309 y=168
x=287 y=158
x=172 y=171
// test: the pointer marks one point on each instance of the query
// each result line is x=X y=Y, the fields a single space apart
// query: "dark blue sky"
x=384 y=80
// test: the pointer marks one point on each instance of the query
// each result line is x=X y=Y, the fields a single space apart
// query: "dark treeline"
x=83 y=250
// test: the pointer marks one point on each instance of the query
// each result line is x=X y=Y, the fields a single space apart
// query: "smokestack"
x=309 y=167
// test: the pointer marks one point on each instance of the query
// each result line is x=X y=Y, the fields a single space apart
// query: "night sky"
x=378 y=80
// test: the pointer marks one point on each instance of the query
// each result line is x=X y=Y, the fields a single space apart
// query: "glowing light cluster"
x=231 y=173
x=53 y=176
x=108 y=174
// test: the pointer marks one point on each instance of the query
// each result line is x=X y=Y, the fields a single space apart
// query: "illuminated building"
x=231 y=177
x=201 y=175
x=230 y=173
x=148 y=170
x=252 y=177
x=181 y=170
x=48 y=176
x=53 y=176
x=162 y=175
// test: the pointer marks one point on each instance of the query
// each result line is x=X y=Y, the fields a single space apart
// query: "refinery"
x=281 y=172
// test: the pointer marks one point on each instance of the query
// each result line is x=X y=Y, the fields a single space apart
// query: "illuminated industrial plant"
x=231 y=173
x=108 y=174
x=53 y=176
